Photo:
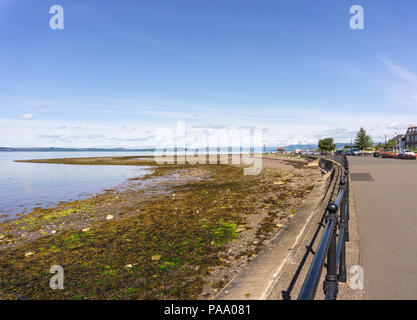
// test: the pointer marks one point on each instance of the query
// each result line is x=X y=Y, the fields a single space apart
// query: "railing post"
x=342 y=228
x=346 y=204
x=330 y=285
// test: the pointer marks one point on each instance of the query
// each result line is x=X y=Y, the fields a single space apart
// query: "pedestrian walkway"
x=385 y=193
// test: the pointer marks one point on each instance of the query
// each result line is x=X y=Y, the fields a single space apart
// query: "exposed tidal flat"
x=180 y=232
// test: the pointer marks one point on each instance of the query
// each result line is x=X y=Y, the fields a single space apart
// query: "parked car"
x=409 y=152
x=354 y=152
x=385 y=154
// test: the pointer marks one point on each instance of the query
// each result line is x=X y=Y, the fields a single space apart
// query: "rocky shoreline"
x=181 y=232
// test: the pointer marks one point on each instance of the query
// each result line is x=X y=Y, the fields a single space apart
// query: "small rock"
x=280 y=225
x=109 y=217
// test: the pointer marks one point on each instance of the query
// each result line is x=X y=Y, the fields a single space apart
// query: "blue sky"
x=122 y=73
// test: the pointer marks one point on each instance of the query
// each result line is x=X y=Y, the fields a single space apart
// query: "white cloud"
x=27 y=116
x=280 y=129
x=400 y=71
x=398 y=126
x=339 y=135
x=210 y=126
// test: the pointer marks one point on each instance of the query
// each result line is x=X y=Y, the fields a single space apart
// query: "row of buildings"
x=407 y=140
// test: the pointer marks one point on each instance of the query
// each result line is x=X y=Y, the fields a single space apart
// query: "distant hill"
x=303 y=147
x=70 y=149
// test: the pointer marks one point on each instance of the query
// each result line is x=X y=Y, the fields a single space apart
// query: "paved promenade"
x=385 y=193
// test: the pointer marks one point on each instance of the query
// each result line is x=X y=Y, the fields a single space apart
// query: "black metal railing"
x=332 y=244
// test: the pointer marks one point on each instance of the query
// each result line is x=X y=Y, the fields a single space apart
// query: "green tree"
x=326 y=144
x=363 y=140
x=391 y=144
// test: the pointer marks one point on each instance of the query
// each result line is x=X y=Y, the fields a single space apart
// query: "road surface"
x=386 y=201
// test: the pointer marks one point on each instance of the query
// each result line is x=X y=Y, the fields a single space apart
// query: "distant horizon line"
x=266 y=148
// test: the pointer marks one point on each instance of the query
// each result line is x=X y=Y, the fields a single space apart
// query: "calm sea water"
x=24 y=186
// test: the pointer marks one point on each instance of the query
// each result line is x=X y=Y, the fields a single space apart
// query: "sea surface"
x=24 y=186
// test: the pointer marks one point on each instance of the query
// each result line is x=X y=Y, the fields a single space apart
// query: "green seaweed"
x=165 y=250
